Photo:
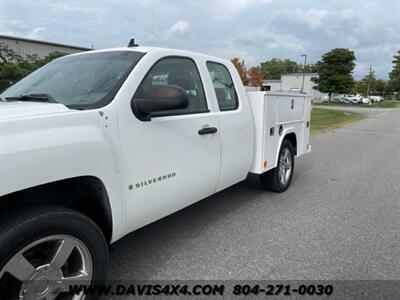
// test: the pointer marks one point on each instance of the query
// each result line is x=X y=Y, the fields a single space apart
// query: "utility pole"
x=369 y=79
x=304 y=70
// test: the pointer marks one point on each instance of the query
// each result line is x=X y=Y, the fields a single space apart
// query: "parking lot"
x=339 y=220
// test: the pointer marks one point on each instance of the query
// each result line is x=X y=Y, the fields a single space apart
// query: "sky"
x=251 y=30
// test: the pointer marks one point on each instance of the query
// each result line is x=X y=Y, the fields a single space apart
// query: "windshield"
x=82 y=81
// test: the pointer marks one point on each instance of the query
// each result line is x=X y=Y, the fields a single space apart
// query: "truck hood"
x=20 y=110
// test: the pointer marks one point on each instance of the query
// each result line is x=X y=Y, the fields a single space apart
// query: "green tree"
x=9 y=72
x=388 y=89
x=52 y=56
x=274 y=68
x=14 y=67
x=369 y=85
x=335 y=72
x=359 y=88
x=380 y=87
x=8 y=55
x=33 y=62
x=310 y=68
x=394 y=75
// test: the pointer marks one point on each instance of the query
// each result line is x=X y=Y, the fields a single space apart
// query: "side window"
x=223 y=86
x=181 y=72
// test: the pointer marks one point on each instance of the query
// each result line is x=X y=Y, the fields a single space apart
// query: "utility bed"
x=275 y=115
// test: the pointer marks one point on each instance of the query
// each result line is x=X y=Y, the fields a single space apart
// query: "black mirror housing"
x=158 y=99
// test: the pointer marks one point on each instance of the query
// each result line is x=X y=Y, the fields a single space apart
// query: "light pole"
x=369 y=79
x=304 y=70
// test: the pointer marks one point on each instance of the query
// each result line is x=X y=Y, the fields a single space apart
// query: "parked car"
x=365 y=100
x=100 y=143
x=325 y=98
x=345 y=99
x=352 y=100
x=356 y=99
x=338 y=98
x=375 y=98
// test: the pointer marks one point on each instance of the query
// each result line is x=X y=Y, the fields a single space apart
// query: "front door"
x=167 y=164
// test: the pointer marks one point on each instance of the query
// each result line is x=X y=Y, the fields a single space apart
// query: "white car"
x=357 y=98
x=325 y=98
x=375 y=98
x=365 y=100
x=97 y=144
x=347 y=100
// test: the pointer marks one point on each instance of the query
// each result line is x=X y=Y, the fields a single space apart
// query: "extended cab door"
x=168 y=162
x=236 y=123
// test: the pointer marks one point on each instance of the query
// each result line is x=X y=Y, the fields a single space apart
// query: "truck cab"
x=199 y=148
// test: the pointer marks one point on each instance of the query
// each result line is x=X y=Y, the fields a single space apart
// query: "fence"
x=5 y=84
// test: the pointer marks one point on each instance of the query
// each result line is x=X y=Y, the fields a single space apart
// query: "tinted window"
x=79 y=80
x=223 y=86
x=181 y=72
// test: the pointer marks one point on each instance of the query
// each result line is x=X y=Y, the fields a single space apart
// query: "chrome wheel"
x=46 y=268
x=285 y=166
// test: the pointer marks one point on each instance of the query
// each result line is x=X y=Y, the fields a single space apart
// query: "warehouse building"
x=294 y=81
x=25 y=46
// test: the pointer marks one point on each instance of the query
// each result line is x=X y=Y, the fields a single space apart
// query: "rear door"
x=236 y=123
x=168 y=163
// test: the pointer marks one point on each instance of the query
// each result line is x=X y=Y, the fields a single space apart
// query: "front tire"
x=278 y=179
x=45 y=250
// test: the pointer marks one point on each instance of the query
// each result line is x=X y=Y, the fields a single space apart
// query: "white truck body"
x=149 y=169
x=274 y=112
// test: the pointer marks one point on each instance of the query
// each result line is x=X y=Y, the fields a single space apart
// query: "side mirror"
x=158 y=99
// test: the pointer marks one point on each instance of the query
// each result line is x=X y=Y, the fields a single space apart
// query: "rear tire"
x=41 y=248
x=278 y=179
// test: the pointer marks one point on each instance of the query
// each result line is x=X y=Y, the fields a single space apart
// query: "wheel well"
x=291 y=137
x=85 y=194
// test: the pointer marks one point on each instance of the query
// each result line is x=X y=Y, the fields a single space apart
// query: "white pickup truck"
x=97 y=144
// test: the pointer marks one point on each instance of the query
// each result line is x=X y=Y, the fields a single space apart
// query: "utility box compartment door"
x=290 y=108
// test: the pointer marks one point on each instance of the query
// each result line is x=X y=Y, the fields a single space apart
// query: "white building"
x=293 y=81
x=24 y=46
x=272 y=85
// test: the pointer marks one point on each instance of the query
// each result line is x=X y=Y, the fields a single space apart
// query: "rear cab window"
x=223 y=86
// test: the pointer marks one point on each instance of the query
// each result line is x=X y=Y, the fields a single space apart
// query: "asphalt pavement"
x=340 y=219
x=367 y=111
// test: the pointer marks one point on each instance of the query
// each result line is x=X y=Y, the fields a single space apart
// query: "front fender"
x=41 y=150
